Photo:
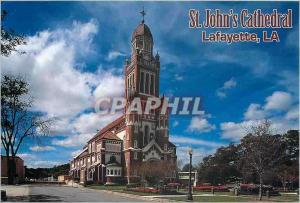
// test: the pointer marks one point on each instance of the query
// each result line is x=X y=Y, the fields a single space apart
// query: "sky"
x=75 y=54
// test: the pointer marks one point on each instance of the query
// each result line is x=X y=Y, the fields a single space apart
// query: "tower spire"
x=143 y=13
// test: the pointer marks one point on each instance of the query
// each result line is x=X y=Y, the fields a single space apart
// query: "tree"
x=9 y=39
x=154 y=171
x=288 y=170
x=17 y=121
x=39 y=173
x=260 y=151
x=220 y=167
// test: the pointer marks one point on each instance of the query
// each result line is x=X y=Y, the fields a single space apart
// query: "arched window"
x=147 y=84
x=151 y=136
x=152 y=85
x=142 y=83
x=146 y=135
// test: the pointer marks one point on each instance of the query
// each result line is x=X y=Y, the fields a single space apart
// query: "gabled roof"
x=150 y=144
x=81 y=153
x=109 y=127
x=110 y=136
x=171 y=144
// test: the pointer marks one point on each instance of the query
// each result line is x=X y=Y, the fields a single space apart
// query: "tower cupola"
x=142 y=40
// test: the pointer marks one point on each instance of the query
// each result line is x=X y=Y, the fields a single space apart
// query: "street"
x=56 y=193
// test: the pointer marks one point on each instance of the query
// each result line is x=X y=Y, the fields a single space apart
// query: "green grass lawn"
x=138 y=193
x=242 y=198
x=218 y=196
x=285 y=198
x=216 y=199
x=108 y=187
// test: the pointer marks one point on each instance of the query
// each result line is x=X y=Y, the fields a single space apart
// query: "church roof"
x=81 y=153
x=110 y=136
x=150 y=144
x=172 y=145
x=141 y=29
x=108 y=128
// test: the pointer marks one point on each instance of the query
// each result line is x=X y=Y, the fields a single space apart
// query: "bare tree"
x=260 y=150
x=17 y=121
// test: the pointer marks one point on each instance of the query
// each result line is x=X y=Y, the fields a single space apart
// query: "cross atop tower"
x=143 y=13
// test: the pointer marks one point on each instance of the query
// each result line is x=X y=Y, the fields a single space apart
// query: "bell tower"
x=144 y=132
x=142 y=70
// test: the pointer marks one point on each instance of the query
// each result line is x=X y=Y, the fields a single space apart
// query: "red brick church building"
x=124 y=149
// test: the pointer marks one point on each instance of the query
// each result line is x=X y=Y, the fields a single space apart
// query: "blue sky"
x=76 y=50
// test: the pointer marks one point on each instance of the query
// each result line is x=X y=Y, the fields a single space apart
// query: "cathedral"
x=122 y=150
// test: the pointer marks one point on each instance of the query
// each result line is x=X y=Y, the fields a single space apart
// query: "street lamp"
x=190 y=196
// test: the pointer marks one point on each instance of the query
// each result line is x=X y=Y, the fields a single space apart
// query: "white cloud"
x=85 y=127
x=49 y=65
x=74 y=140
x=293 y=113
x=200 y=125
x=59 y=87
x=32 y=161
x=198 y=154
x=193 y=141
x=26 y=156
x=254 y=111
x=289 y=80
x=229 y=84
x=114 y=54
x=236 y=130
x=90 y=123
x=43 y=164
x=222 y=91
x=175 y=123
x=76 y=152
x=178 y=77
x=110 y=86
x=232 y=131
x=278 y=101
x=42 y=148
x=62 y=126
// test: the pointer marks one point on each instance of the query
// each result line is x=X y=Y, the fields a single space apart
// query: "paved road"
x=55 y=193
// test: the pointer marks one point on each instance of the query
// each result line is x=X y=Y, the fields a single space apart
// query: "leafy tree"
x=288 y=170
x=39 y=173
x=153 y=171
x=220 y=167
x=9 y=39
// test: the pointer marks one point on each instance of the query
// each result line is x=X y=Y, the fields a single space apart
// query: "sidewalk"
x=142 y=198
x=16 y=190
